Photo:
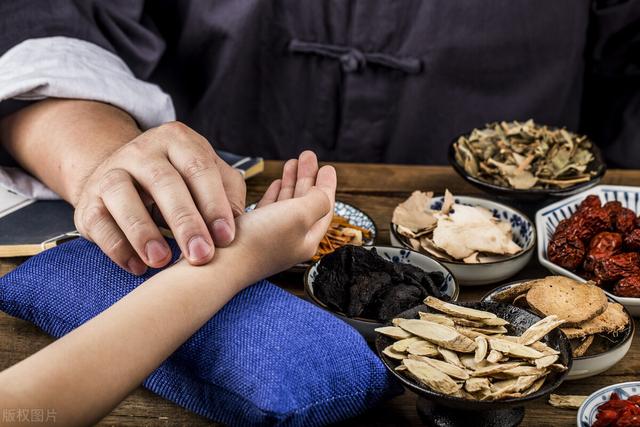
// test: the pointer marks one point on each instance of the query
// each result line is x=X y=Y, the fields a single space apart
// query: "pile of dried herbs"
x=525 y=156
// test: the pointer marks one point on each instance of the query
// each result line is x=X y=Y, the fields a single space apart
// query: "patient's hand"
x=290 y=220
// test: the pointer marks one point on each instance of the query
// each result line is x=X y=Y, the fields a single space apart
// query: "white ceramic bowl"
x=397 y=255
x=524 y=234
x=589 y=408
x=548 y=218
x=591 y=365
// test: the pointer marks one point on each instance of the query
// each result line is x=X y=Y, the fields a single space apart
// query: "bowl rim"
x=314 y=298
x=598 y=392
x=393 y=228
x=541 y=219
x=600 y=168
x=506 y=402
x=631 y=328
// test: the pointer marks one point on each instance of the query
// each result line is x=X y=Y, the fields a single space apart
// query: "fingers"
x=96 y=224
x=326 y=184
x=167 y=188
x=271 y=195
x=289 y=177
x=306 y=173
x=197 y=166
x=123 y=201
x=234 y=186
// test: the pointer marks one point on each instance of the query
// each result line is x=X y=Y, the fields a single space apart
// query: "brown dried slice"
x=393 y=332
x=494 y=356
x=481 y=349
x=579 y=346
x=546 y=361
x=613 y=320
x=539 y=329
x=402 y=345
x=414 y=213
x=449 y=369
x=566 y=401
x=436 y=318
x=568 y=299
x=431 y=377
x=492 y=369
x=390 y=352
x=422 y=348
x=458 y=311
x=451 y=357
x=509 y=294
x=444 y=336
x=521 y=301
x=473 y=385
x=514 y=349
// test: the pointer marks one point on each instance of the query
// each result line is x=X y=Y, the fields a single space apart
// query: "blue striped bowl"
x=589 y=408
x=547 y=220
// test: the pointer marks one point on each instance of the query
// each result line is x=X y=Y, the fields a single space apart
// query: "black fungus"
x=360 y=283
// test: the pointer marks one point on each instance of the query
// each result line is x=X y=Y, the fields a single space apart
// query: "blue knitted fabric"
x=267 y=358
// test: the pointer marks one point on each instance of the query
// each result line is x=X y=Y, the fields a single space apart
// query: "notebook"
x=29 y=226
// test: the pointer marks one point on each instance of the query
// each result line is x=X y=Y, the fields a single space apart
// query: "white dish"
x=590 y=365
x=548 y=218
x=524 y=234
x=589 y=408
x=367 y=327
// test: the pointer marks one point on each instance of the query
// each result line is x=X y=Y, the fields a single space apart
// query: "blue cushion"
x=267 y=358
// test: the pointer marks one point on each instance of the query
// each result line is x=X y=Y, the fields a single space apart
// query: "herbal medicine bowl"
x=591 y=364
x=443 y=410
x=367 y=327
x=523 y=232
x=589 y=409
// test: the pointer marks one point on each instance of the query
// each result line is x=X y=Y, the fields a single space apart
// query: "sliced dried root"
x=566 y=401
x=444 y=336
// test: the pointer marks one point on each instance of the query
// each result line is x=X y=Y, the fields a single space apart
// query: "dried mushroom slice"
x=436 y=318
x=449 y=369
x=458 y=311
x=431 y=377
x=481 y=349
x=540 y=329
x=393 y=332
x=444 y=336
x=514 y=349
x=390 y=352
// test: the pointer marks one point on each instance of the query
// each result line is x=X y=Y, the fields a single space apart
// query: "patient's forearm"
x=83 y=375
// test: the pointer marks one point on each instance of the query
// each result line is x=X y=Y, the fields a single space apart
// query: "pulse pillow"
x=266 y=358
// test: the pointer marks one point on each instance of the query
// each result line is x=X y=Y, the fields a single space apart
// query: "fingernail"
x=222 y=233
x=135 y=266
x=155 y=251
x=199 y=248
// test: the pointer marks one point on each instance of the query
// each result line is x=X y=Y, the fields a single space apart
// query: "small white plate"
x=589 y=408
x=548 y=218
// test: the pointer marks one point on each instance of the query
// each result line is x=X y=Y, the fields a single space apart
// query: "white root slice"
x=390 y=352
x=402 y=345
x=468 y=361
x=436 y=318
x=451 y=357
x=566 y=401
x=514 y=349
x=546 y=361
x=540 y=329
x=492 y=369
x=473 y=385
x=458 y=311
x=481 y=349
x=449 y=369
x=422 y=348
x=441 y=335
x=494 y=356
x=523 y=371
x=393 y=332
x=432 y=377
x=493 y=330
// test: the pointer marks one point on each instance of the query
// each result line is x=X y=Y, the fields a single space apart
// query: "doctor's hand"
x=171 y=171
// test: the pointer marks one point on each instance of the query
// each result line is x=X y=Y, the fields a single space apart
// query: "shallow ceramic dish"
x=441 y=409
x=397 y=255
x=589 y=408
x=548 y=218
x=597 y=165
x=591 y=364
x=354 y=215
x=488 y=272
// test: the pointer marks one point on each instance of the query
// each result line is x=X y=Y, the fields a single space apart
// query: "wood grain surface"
x=376 y=189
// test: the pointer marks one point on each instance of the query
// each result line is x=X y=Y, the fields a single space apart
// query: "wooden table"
x=377 y=189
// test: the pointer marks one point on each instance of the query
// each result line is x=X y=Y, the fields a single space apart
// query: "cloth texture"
x=266 y=358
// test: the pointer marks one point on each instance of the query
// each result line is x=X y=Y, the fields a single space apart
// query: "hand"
x=290 y=220
x=176 y=169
